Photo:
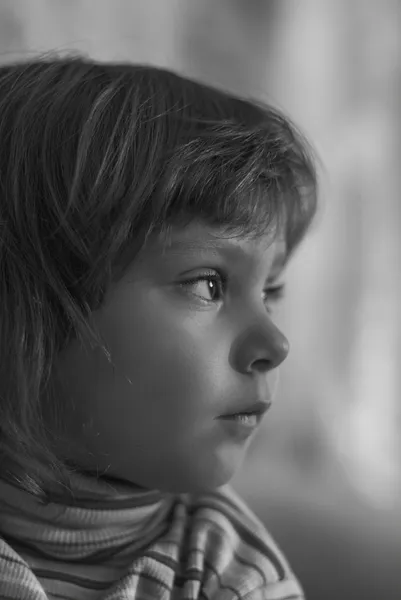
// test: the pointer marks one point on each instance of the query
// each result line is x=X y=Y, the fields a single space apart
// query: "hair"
x=94 y=158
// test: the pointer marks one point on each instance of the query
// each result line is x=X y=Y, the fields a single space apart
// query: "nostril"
x=262 y=365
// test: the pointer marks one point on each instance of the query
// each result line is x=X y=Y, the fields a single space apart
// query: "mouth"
x=240 y=425
x=246 y=420
x=254 y=411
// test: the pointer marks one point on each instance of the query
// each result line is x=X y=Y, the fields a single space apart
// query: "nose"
x=261 y=348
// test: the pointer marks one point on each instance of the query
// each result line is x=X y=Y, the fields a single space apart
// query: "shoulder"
x=231 y=547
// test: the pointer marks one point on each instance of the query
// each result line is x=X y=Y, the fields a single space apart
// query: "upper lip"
x=258 y=408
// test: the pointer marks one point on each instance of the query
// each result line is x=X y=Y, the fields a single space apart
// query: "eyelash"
x=275 y=293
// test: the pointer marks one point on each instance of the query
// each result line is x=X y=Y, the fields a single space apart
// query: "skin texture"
x=184 y=355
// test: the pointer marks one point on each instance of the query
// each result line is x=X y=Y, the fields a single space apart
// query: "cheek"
x=176 y=370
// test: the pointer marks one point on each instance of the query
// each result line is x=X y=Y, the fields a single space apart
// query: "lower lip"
x=240 y=426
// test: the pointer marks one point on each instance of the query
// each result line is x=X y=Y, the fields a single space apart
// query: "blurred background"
x=324 y=472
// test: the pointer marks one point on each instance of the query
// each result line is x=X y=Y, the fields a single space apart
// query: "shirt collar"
x=103 y=515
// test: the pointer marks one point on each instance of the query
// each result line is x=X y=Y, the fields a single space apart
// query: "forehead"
x=198 y=237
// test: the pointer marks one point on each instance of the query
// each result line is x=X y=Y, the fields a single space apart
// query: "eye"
x=274 y=294
x=209 y=287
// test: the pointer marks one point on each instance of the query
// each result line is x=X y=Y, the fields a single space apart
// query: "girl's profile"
x=146 y=220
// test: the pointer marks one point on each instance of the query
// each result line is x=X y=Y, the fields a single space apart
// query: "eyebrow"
x=217 y=247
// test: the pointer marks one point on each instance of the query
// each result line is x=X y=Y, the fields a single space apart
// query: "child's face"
x=192 y=353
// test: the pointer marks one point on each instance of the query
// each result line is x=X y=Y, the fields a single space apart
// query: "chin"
x=206 y=481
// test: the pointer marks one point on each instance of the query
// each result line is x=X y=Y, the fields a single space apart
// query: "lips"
x=258 y=409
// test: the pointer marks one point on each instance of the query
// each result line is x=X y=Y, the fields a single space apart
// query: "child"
x=145 y=222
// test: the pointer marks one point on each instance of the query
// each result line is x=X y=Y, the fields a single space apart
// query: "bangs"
x=245 y=182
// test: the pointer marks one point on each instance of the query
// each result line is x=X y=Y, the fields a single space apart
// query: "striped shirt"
x=116 y=542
